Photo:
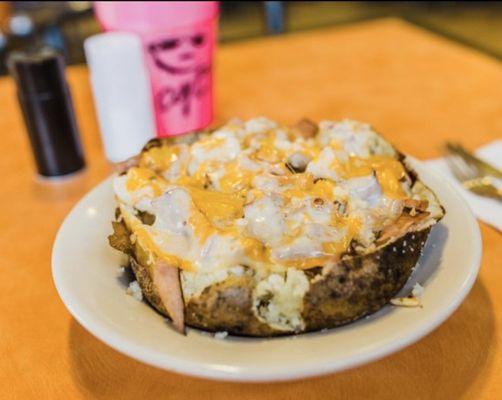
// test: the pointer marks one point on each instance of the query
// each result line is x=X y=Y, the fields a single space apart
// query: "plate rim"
x=191 y=368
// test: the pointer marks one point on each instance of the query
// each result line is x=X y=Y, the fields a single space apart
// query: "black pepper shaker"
x=47 y=109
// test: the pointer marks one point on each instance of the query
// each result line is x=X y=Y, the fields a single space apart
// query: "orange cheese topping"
x=255 y=250
x=159 y=158
x=388 y=171
x=304 y=185
x=215 y=212
x=235 y=178
x=144 y=238
x=217 y=206
x=306 y=263
x=139 y=178
x=352 y=225
x=210 y=142
x=267 y=150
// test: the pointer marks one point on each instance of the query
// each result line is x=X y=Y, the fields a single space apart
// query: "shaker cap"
x=38 y=73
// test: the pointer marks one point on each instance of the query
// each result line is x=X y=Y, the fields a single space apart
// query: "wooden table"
x=415 y=87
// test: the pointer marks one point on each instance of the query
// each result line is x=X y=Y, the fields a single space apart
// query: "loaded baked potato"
x=257 y=229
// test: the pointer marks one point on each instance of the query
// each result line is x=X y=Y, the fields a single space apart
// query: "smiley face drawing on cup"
x=183 y=65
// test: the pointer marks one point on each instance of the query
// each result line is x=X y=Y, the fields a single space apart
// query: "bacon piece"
x=306 y=128
x=167 y=281
x=418 y=205
x=400 y=226
x=129 y=163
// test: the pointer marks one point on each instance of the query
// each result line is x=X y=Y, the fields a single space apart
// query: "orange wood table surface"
x=416 y=88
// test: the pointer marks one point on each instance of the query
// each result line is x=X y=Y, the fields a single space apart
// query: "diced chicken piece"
x=172 y=211
x=365 y=188
x=358 y=139
x=321 y=166
x=220 y=146
x=265 y=220
x=298 y=161
x=266 y=183
x=259 y=125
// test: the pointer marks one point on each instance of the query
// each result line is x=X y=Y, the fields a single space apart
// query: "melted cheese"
x=211 y=142
x=389 y=173
x=145 y=238
x=306 y=263
x=241 y=205
x=267 y=150
x=139 y=178
x=217 y=206
x=235 y=178
x=201 y=226
x=160 y=158
x=388 y=170
x=352 y=226
x=255 y=250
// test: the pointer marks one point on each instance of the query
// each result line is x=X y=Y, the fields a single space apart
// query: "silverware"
x=471 y=175
x=483 y=167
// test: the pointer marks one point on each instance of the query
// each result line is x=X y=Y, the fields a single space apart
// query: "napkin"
x=486 y=209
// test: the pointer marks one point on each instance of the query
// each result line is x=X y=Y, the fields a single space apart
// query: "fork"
x=471 y=177
x=483 y=167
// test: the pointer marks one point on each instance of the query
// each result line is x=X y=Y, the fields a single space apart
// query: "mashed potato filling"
x=278 y=300
x=254 y=197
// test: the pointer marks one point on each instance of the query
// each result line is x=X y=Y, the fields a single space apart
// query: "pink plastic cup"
x=178 y=41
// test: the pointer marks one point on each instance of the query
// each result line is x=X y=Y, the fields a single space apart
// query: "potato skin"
x=361 y=285
x=354 y=287
x=227 y=306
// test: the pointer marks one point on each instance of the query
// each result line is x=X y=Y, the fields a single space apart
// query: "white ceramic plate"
x=85 y=271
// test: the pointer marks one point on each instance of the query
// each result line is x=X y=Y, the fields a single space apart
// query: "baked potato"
x=261 y=230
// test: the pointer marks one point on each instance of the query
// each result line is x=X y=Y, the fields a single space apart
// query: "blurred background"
x=65 y=25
